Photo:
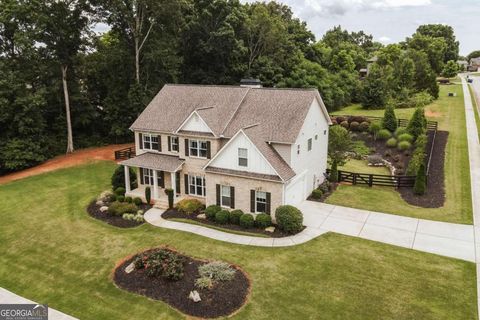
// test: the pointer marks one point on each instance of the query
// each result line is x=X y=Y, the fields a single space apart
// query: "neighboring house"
x=370 y=61
x=243 y=147
x=463 y=64
x=474 y=64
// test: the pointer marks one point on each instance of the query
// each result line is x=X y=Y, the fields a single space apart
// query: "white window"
x=148 y=176
x=225 y=196
x=196 y=185
x=309 y=144
x=243 y=157
x=261 y=201
x=150 y=141
x=174 y=144
x=198 y=148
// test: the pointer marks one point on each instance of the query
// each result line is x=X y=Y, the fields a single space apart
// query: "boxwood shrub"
x=211 y=211
x=137 y=201
x=404 y=145
x=120 y=191
x=247 y=221
x=235 y=216
x=128 y=199
x=263 y=220
x=405 y=137
x=119 y=208
x=289 y=219
x=120 y=198
x=222 y=216
x=383 y=134
x=317 y=194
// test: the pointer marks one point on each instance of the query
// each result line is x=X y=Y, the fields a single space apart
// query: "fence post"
x=399 y=179
x=354 y=180
x=370 y=180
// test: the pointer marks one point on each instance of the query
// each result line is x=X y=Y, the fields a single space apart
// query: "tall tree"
x=445 y=33
x=63 y=27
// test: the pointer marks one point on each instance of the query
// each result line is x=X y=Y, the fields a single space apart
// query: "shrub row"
x=238 y=217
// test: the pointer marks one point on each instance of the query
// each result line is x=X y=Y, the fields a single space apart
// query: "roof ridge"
x=235 y=111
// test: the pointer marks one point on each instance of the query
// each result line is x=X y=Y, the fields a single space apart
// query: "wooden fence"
x=124 y=154
x=375 y=179
x=431 y=125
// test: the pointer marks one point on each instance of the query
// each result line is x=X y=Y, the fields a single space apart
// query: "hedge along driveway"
x=450 y=114
x=54 y=252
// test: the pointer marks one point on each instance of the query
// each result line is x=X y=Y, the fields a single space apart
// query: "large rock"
x=202 y=216
x=130 y=268
x=194 y=296
x=270 y=229
x=103 y=209
x=100 y=203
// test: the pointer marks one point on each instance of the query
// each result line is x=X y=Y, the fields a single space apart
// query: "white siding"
x=195 y=123
x=228 y=157
x=312 y=163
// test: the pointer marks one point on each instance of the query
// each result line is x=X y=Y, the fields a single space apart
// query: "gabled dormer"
x=194 y=123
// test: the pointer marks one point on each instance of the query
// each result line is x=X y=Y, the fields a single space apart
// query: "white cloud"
x=385 y=39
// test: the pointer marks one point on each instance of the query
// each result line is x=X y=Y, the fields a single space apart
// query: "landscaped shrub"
x=325 y=186
x=405 y=137
x=161 y=263
x=358 y=119
x=387 y=154
x=106 y=196
x=420 y=185
x=404 y=145
x=391 y=143
x=364 y=126
x=344 y=124
x=396 y=158
x=217 y=271
x=120 y=191
x=355 y=126
x=211 y=211
x=189 y=206
x=128 y=199
x=400 y=131
x=119 y=208
x=137 y=201
x=148 y=194
x=418 y=156
x=360 y=149
x=418 y=123
x=247 y=220
x=375 y=160
x=169 y=193
x=383 y=134
x=317 y=194
x=203 y=283
x=222 y=216
x=374 y=129
x=289 y=219
x=389 y=121
x=235 y=216
x=118 y=178
x=263 y=220
x=120 y=198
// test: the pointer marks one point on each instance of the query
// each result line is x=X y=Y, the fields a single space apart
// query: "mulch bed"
x=435 y=195
x=222 y=300
x=94 y=211
x=173 y=213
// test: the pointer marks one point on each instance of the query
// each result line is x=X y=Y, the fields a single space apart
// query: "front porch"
x=159 y=196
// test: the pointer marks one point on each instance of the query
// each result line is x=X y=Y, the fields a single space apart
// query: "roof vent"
x=251 y=83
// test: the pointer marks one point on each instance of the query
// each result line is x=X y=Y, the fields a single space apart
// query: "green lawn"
x=361 y=166
x=53 y=252
x=450 y=114
x=475 y=109
x=357 y=110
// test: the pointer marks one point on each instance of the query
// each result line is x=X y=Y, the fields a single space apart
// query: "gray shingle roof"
x=277 y=114
x=155 y=161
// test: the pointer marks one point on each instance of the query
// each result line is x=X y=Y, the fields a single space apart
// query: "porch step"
x=161 y=204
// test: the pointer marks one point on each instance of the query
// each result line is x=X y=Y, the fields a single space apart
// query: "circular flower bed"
x=195 y=287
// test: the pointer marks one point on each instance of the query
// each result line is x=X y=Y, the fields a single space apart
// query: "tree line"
x=63 y=86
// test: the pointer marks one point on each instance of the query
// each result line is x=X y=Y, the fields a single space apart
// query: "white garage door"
x=295 y=192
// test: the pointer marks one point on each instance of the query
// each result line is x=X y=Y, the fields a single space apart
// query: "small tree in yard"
x=389 y=119
x=417 y=124
x=148 y=194
x=420 y=185
x=450 y=69
x=339 y=143
x=118 y=178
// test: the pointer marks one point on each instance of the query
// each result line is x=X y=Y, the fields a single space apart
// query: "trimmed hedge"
x=317 y=194
x=289 y=219
x=235 y=216
x=211 y=211
x=247 y=221
x=222 y=217
x=137 y=201
x=263 y=220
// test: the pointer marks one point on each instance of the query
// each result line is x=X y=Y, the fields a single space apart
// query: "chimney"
x=251 y=83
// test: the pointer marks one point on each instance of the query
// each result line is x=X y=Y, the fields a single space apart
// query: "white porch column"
x=155 y=185
x=174 y=186
x=127 y=178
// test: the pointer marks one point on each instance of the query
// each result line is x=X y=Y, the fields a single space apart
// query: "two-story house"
x=243 y=147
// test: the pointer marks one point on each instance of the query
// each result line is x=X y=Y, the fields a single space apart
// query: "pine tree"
x=389 y=119
x=417 y=124
x=420 y=185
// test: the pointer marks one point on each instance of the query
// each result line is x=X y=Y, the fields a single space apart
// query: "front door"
x=177 y=182
x=161 y=179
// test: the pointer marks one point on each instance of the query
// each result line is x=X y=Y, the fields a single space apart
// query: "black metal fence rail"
x=124 y=154
x=431 y=125
x=371 y=180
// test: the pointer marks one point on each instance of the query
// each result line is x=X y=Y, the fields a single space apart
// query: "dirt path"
x=65 y=161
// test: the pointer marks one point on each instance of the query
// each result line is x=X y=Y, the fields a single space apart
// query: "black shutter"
x=186 y=148
x=209 y=153
x=186 y=183
x=232 y=197
x=252 y=201
x=177 y=182
x=140 y=138
x=162 y=179
x=269 y=197
x=169 y=143
x=141 y=176
x=159 y=143
x=218 y=194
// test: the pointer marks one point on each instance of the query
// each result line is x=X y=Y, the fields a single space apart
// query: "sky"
x=391 y=21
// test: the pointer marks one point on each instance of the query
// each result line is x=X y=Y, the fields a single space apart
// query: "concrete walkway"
x=474 y=156
x=7 y=297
